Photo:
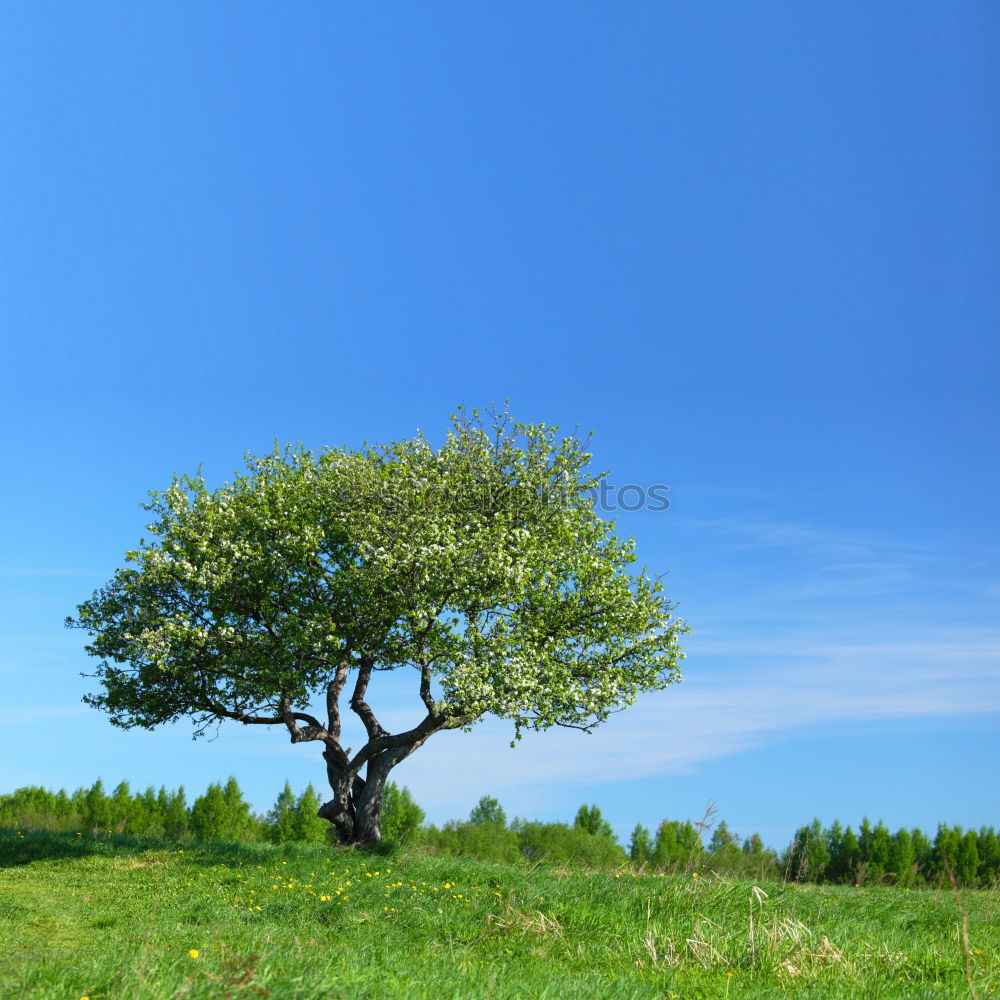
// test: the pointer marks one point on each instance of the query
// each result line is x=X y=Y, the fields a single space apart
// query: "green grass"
x=111 y=917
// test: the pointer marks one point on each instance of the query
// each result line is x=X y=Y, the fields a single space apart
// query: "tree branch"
x=425 y=687
x=314 y=729
x=361 y=707
x=248 y=720
x=410 y=740
x=333 y=692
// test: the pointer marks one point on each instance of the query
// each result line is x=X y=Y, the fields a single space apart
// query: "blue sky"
x=753 y=247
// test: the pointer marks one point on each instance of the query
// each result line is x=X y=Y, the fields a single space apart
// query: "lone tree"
x=481 y=565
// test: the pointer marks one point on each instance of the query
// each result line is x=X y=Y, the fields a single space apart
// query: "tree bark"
x=357 y=802
x=356 y=806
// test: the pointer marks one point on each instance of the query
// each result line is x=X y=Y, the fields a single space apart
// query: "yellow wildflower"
x=193 y=953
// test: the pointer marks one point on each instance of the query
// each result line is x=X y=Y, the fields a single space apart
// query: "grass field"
x=103 y=917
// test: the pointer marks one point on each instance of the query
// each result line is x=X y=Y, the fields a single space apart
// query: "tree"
x=488 y=810
x=989 y=855
x=208 y=815
x=640 y=845
x=666 y=846
x=123 y=812
x=482 y=566
x=401 y=816
x=850 y=856
x=721 y=838
x=309 y=827
x=923 y=852
x=725 y=849
x=808 y=854
x=559 y=842
x=152 y=814
x=175 y=812
x=880 y=851
x=590 y=820
x=676 y=844
x=280 y=820
x=968 y=858
x=221 y=813
x=96 y=807
x=902 y=858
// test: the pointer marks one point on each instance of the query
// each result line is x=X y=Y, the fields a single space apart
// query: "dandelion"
x=193 y=953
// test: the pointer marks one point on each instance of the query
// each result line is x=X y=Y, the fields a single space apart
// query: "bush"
x=484 y=841
x=571 y=845
x=400 y=817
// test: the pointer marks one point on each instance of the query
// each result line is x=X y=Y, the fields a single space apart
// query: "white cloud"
x=704 y=719
x=824 y=562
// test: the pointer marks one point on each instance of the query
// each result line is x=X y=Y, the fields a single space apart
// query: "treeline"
x=486 y=834
x=906 y=857
x=221 y=813
x=832 y=855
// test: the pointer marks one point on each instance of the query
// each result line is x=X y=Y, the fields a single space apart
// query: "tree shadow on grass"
x=26 y=846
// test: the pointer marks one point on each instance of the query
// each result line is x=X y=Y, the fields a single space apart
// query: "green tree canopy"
x=640 y=845
x=221 y=813
x=589 y=819
x=488 y=810
x=280 y=819
x=481 y=565
x=309 y=827
x=401 y=816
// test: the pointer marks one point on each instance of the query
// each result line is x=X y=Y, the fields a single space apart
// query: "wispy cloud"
x=795 y=563
x=672 y=732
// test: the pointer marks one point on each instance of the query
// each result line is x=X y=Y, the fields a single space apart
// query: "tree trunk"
x=368 y=806
x=357 y=802
x=340 y=809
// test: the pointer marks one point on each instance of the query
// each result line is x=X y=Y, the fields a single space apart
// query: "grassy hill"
x=108 y=917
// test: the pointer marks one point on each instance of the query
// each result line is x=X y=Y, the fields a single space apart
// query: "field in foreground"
x=109 y=917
